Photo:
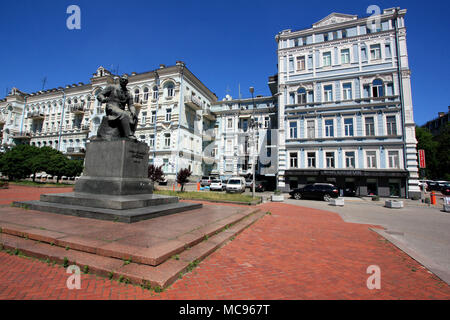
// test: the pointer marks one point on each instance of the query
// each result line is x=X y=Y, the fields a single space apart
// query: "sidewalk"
x=292 y=253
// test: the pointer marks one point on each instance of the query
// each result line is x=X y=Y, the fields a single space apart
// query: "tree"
x=73 y=168
x=182 y=177
x=38 y=159
x=425 y=142
x=14 y=164
x=156 y=174
x=443 y=154
x=57 y=166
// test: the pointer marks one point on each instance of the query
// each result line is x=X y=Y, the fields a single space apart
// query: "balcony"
x=2 y=119
x=36 y=115
x=21 y=135
x=193 y=102
x=77 y=109
x=75 y=151
x=209 y=115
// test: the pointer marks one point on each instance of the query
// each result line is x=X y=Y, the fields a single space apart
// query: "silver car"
x=217 y=185
x=236 y=185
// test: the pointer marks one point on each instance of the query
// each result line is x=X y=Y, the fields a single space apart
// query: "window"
x=393 y=160
x=301 y=63
x=293 y=156
x=310 y=129
x=229 y=146
x=145 y=94
x=375 y=52
x=136 y=96
x=345 y=56
x=377 y=88
x=388 y=52
x=151 y=140
x=370 y=126
x=165 y=165
x=167 y=140
x=325 y=37
x=155 y=92
x=295 y=42
x=329 y=128
x=292 y=98
x=363 y=54
x=347 y=91
x=293 y=129
x=311 y=159
x=350 y=159
x=328 y=93
x=391 y=126
x=170 y=89
x=153 y=118
x=371 y=159
x=144 y=117
x=348 y=127
x=230 y=123
x=291 y=64
x=301 y=96
x=344 y=34
x=266 y=122
x=168 y=115
x=327 y=59
x=330 y=159
x=335 y=35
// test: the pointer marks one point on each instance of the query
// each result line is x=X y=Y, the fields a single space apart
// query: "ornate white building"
x=345 y=107
x=174 y=111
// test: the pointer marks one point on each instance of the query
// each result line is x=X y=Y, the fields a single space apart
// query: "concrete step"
x=127 y=216
x=161 y=275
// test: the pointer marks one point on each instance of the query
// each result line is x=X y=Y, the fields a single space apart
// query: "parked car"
x=248 y=183
x=163 y=182
x=206 y=181
x=235 y=185
x=261 y=186
x=322 y=191
x=217 y=185
x=433 y=186
x=446 y=189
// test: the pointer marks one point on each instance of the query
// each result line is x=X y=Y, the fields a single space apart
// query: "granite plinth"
x=126 y=216
x=117 y=167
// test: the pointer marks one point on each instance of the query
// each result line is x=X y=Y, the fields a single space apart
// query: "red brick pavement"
x=294 y=253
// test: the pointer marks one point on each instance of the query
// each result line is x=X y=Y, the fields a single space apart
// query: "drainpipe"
x=62 y=120
x=400 y=81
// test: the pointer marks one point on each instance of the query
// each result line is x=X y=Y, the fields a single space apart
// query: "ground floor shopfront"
x=353 y=182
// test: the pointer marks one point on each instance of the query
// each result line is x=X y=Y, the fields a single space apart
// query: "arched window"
x=145 y=94
x=377 y=88
x=301 y=96
x=169 y=89
x=137 y=95
x=155 y=92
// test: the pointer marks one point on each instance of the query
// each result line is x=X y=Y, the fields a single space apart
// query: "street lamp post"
x=253 y=127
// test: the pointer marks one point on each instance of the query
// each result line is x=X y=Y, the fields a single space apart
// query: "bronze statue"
x=119 y=122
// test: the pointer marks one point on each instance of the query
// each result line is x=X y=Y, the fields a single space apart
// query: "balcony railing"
x=36 y=115
x=22 y=135
x=208 y=114
x=75 y=151
x=77 y=108
x=193 y=102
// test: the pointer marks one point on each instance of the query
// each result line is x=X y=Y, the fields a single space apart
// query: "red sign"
x=422 y=163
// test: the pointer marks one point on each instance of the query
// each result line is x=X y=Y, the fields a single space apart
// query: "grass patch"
x=41 y=184
x=214 y=196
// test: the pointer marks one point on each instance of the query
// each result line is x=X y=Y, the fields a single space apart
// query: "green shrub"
x=375 y=198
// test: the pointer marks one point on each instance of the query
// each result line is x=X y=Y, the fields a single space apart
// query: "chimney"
x=162 y=66
x=441 y=114
x=180 y=63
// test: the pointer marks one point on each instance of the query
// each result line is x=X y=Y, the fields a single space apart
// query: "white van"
x=236 y=184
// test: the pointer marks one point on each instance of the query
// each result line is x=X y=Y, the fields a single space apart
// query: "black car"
x=322 y=191
x=445 y=190
x=261 y=186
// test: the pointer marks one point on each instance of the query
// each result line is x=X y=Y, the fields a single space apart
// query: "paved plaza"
x=292 y=253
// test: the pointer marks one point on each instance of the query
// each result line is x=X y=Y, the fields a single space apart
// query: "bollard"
x=198 y=186
x=433 y=197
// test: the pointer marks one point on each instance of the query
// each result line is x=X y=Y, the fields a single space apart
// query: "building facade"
x=345 y=106
x=173 y=109
x=238 y=146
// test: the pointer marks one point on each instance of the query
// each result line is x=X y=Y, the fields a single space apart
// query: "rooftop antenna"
x=44 y=81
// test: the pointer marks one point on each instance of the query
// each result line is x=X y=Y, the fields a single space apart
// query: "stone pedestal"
x=114 y=186
x=116 y=167
x=394 y=204
x=339 y=202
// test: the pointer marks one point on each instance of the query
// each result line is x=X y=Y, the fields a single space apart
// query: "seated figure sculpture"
x=118 y=122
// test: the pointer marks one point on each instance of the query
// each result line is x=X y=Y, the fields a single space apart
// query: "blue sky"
x=225 y=43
